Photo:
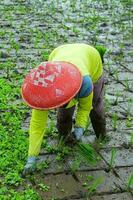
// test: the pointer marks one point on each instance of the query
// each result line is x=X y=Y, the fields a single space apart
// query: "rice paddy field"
x=29 y=31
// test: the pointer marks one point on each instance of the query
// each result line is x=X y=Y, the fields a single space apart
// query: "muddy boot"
x=71 y=140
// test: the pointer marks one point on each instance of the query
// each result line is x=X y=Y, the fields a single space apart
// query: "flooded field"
x=29 y=31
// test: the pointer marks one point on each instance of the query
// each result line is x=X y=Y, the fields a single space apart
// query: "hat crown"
x=51 y=85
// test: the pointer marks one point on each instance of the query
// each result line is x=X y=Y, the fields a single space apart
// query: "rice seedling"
x=116 y=76
x=112 y=158
x=131 y=140
x=91 y=189
x=114 y=121
x=92 y=184
x=15 y=45
x=87 y=153
x=130 y=182
x=127 y=86
x=50 y=128
x=117 y=97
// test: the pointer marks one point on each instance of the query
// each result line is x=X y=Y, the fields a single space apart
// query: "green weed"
x=75 y=165
x=129 y=121
x=44 y=187
x=62 y=153
x=15 y=45
x=43 y=165
x=13 y=178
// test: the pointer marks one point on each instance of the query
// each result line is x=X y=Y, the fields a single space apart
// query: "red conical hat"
x=51 y=85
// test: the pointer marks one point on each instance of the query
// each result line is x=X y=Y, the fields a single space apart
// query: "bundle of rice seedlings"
x=87 y=153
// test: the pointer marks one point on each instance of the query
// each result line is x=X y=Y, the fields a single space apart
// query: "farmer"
x=72 y=77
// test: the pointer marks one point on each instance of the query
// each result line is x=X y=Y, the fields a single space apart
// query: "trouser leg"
x=64 y=120
x=97 y=114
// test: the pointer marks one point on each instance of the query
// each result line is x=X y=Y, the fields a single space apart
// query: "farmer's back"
x=84 y=56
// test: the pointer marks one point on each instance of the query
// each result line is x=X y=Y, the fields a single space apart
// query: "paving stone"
x=65 y=186
x=114 y=88
x=108 y=183
x=128 y=106
x=60 y=186
x=116 y=110
x=124 y=76
x=117 y=196
x=116 y=139
x=125 y=124
x=125 y=173
x=113 y=98
x=66 y=165
x=119 y=125
x=124 y=157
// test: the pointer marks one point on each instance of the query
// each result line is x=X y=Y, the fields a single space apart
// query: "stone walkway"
x=33 y=29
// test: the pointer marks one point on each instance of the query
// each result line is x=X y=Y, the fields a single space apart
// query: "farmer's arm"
x=36 y=132
x=84 y=108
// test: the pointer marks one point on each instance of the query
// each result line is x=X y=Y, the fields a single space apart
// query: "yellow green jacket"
x=89 y=62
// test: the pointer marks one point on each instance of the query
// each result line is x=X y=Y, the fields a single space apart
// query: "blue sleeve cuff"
x=86 y=87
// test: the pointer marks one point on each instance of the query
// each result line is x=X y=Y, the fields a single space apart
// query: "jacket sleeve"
x=37 y=127
x=83 y=111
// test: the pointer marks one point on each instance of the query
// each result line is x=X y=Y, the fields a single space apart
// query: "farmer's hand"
x=30 y=166
x=78 y=133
